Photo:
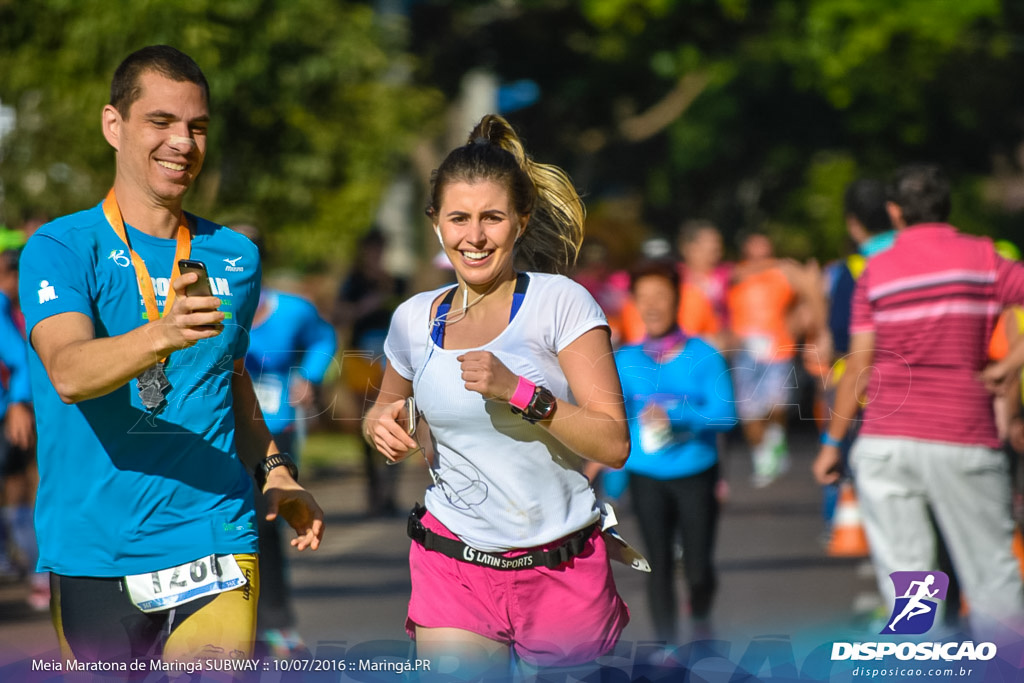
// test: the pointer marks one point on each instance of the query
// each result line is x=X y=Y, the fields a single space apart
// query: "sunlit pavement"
x=776 y=582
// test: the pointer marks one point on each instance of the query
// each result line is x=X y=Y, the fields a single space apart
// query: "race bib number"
x=654 y=435
x=761 y=347
x=167 y=588
x=270 y=394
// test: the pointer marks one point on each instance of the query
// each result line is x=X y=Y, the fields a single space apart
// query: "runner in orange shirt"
x=704 y=283
x=763 y=305
x=696 y=317
x=700 y=244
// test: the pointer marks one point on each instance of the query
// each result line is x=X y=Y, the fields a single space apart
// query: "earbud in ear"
x=440 y=241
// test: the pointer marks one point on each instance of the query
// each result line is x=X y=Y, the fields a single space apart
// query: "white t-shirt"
x=501 y=482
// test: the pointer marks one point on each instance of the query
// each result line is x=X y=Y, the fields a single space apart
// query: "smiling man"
x=148 y=422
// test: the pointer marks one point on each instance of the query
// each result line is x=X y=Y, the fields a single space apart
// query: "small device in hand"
x=410 y=412
x=410 y=426
x=200 y=287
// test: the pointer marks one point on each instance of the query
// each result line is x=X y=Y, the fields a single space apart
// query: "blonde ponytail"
x=555 y=230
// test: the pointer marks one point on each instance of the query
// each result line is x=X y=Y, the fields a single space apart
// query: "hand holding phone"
x=193 y=315
x=408 y=421
x=410 y=415
x=200 y=287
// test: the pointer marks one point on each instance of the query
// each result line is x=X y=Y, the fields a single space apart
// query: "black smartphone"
x=200 y=287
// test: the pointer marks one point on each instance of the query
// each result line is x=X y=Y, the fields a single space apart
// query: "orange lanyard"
x=183 y=250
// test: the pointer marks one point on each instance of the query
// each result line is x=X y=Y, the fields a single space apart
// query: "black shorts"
x=97 y=621
x=14 y=460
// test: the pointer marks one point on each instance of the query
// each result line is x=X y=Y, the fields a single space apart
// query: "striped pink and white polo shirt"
x=932 y=301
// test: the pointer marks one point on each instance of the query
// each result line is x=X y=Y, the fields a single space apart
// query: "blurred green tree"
x=749 y=113
x=313 y=110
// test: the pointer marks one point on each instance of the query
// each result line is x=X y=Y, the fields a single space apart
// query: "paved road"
x=777 y=587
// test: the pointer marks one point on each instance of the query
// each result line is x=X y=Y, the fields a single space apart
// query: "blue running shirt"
x=292 y=338
x=695 y=391
x=122 y=492
x=15 y=358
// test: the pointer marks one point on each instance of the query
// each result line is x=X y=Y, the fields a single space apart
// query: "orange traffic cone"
x=1018 y=548
x=848 y=537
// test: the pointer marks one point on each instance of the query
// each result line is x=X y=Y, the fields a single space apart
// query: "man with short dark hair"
x=148 y=421
x=868 y=224
x=923 y=313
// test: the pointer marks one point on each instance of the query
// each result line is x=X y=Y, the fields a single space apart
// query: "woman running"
x=512 y=369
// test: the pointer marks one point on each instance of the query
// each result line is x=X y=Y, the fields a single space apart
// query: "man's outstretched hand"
x=296 y=505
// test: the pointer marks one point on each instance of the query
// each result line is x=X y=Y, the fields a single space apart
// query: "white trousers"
x=968 y=490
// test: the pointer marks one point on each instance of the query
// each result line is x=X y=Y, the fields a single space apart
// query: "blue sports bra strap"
x=437 y=330
x=522 y=282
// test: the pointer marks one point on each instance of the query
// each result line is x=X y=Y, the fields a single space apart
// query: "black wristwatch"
x=269 y=463
x=541 y=406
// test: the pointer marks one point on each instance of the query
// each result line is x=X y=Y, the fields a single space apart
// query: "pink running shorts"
x=550 y=617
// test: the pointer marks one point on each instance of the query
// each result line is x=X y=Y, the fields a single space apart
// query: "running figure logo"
x=917 y=599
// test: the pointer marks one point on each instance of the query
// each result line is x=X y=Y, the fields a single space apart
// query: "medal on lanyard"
x=153 y=383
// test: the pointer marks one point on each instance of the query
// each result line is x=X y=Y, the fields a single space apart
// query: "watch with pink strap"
x=534 y=403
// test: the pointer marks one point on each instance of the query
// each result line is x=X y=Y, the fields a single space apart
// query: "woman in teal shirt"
x=678 y=396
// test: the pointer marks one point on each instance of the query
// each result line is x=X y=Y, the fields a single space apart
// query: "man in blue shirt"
x=291 y=350
x=17 y=442
x=147 y=418
x=868 y=225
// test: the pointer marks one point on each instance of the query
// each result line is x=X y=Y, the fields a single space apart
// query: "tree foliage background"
x=752 y=114
x=311 y=104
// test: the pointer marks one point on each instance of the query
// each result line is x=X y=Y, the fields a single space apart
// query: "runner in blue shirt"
x=17 y=441
x=16 y=394
x=13 y=356
x=291 y=349
x=148 y=421
x=679 y=397
x=868 y=225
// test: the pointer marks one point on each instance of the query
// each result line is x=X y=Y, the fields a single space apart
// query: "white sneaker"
x=765 y=466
